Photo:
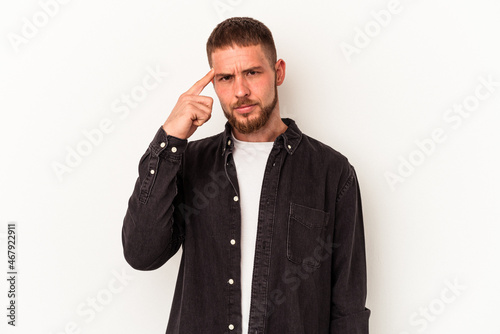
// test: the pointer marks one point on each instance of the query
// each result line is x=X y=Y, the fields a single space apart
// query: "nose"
x=241 y=88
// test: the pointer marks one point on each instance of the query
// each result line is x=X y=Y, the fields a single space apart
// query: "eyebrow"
x=254 y=68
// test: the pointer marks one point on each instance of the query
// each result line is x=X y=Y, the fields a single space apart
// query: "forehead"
x=239 y=57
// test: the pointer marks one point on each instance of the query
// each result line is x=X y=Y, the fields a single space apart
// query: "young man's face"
x=246 y=85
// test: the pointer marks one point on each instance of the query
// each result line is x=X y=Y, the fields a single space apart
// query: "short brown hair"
x=242 y=31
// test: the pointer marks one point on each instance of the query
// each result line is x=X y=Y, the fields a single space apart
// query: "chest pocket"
x=306 y=227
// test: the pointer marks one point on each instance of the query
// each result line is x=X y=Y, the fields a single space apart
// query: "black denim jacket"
x=309 y=269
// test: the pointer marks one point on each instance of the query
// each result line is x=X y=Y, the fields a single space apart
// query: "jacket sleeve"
x=153 y=229
x=349 y=314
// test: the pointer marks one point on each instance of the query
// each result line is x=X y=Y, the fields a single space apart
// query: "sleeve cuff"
x=167 y=146
x=351 y=324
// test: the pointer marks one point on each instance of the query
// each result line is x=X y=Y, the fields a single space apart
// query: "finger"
x=200 y=109
x=201 y=120
x=206 y=100
x=198 y=87
x=201 y=116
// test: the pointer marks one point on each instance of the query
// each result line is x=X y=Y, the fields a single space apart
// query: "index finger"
x=198 y=87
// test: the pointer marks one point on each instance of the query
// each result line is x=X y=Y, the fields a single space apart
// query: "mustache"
x=243 y=102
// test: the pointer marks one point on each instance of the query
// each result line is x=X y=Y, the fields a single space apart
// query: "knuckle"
x=184 y=96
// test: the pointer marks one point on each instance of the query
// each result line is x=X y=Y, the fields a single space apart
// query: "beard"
x=251 y=125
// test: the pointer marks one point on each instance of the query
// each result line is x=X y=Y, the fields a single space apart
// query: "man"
x=269 y=219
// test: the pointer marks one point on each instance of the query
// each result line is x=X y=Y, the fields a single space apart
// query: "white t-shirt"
x=250 y=159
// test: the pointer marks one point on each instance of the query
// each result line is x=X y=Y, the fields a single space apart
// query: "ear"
x=280 y=69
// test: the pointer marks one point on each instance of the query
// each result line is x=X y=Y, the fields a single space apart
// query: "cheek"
x=221 y=93
x=265 y=87
x=267 y=93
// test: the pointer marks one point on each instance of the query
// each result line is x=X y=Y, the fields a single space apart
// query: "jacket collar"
x=290 y=139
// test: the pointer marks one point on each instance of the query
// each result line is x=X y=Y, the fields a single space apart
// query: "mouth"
x=245 y=109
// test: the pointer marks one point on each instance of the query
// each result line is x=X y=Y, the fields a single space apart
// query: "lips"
x=245 y=109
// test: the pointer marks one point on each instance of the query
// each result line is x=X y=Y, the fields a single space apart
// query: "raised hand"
x=191 y=110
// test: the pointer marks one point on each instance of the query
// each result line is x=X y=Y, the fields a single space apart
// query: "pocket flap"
x=309 y=217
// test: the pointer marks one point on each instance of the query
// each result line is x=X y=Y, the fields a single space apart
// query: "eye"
x=225 y=78
x=252 y=72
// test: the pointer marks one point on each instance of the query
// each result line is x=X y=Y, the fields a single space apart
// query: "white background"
x=436 y=226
